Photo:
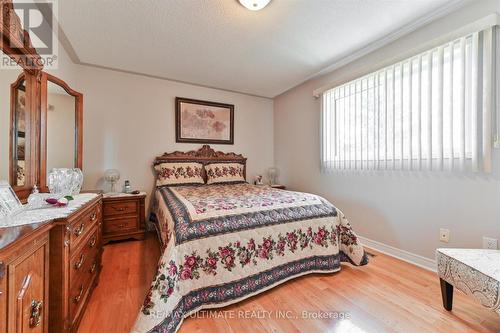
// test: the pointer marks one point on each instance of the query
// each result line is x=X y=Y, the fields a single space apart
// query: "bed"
x=224 y=242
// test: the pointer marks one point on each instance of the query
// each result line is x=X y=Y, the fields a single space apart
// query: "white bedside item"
x=112 y=176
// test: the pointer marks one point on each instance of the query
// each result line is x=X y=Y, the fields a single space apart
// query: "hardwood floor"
x=388 y=295
x=128 y=269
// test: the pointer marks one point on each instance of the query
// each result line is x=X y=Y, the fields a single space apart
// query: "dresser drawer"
x=81 y=260
x=120 y=208
x=75 y=264
x=84 y=266
x=120 y=225
x=78 y=293
x=80 y=227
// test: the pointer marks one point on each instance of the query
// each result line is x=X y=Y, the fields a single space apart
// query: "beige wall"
x=401 y=209
x=129 y=120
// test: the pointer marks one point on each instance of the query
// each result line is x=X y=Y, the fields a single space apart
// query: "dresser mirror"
x=19 y=103
x=61 y=127
x=6 y=78
x=23 y=134
x=18 y=114
x=20 y=133
x=41 y=127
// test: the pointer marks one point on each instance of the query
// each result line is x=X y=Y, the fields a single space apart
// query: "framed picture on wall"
x=203 y=122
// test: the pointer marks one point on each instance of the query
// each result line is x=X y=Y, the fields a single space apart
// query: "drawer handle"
x=76 y=299
x=80 y=262
x=121 y=209
x=92 y=242
x=93 y=216
x=36 y=313
x=79 y=230
x=92 y=269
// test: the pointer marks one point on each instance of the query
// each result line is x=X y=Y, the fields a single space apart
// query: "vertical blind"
x=433 y=111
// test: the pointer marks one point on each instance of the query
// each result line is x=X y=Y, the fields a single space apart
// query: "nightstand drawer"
x=120 y=225
x=120 y=208
x=123 y=217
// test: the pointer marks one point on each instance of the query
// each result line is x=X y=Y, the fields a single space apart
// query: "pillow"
x=179 y=173
x=224 y=173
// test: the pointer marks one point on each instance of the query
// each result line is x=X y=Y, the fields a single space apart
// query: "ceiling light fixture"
x=254 y=4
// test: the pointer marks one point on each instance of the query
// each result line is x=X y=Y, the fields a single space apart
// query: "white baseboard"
x=409 y=257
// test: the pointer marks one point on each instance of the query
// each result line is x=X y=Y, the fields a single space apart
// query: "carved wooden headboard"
x=204 y=155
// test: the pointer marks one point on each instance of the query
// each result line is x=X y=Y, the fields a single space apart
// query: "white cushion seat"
x=476 y=272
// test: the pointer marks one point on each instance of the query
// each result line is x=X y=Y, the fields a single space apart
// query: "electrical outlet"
x=490 y=243
x=444 y=235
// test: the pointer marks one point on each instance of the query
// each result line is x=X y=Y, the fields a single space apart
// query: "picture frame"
x=198 y=121
x=9 y=202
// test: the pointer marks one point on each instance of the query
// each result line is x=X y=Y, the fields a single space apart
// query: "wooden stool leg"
x=446 y=294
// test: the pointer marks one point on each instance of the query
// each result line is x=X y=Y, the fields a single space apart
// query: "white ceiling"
x=219 y=43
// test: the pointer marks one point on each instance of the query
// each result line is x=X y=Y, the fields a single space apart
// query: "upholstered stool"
x=476 y=272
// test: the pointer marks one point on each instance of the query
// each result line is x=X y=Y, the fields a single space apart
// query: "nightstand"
x=281 y=187
x=123 y=216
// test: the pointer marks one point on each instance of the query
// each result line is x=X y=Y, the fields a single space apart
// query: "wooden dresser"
x=24 y=282
x=75 y=264
x=124 y=216
x=49 y=269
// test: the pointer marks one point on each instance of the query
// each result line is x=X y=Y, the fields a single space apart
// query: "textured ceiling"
x=219 y=43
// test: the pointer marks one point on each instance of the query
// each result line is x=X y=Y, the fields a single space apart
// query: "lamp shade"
x=254 y=4
x=112 y=176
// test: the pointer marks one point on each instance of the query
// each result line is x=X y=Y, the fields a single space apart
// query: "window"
x=432 y=111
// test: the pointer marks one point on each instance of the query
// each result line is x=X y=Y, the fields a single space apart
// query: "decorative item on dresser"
x=124 y=216
x=9 y=203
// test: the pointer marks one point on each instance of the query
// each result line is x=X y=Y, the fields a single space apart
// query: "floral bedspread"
x=224 y=243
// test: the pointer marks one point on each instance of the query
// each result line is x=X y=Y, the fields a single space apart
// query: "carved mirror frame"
x=15 y=42
x=78 y=163
x=30 y=137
